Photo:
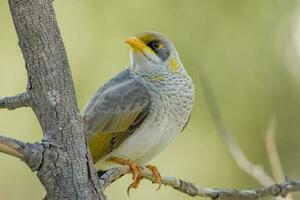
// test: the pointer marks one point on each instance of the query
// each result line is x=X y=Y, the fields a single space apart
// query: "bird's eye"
x=154 y=44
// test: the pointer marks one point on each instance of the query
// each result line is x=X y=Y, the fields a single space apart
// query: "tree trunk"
x=62 y=160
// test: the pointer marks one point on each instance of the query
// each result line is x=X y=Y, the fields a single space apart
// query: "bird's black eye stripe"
x=154 y=44
x=160 y=49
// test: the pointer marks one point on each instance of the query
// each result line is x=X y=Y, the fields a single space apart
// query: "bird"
x=136 y=114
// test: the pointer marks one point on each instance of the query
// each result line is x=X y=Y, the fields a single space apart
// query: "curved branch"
x=191 y=189
x=12 y=147
x=239 y=156
x=17 y=101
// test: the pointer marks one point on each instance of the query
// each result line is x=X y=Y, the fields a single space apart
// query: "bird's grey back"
x=121 y=77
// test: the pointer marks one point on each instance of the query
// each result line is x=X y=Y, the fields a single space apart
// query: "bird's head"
x=153 y=51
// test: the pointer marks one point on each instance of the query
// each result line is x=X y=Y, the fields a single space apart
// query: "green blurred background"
x=249 y=48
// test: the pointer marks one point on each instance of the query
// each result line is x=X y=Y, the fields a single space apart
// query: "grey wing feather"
x=122 y=76
x=116 y=106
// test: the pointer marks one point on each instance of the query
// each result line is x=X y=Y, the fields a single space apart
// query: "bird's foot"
x=156 y=175
x=135 y=170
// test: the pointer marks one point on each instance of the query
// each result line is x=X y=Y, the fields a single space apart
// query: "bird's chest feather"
x=172 y=100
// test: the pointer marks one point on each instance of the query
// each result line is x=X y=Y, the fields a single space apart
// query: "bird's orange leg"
x=135 y=170
x=156 y=175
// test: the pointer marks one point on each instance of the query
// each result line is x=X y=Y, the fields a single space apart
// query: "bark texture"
x=61 y=160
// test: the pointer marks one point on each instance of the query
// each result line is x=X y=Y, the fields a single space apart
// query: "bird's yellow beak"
x=137 y=44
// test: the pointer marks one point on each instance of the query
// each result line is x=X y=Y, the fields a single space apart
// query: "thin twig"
x=12 y=147
x=193 y=190
x=241 y=159
x=273 y=155
x=17 y=101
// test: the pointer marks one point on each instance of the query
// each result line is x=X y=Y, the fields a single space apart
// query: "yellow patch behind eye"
x=174 y=65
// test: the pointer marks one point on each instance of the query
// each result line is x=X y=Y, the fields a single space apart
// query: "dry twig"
x=273 y=155
x=193 y=190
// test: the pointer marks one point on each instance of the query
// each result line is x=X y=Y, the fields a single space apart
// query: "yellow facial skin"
x=138 y=44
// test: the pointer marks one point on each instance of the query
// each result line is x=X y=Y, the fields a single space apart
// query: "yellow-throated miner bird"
x=136 y=114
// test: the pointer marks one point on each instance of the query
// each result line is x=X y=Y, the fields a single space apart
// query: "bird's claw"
x=156 y=175
x=136 y=171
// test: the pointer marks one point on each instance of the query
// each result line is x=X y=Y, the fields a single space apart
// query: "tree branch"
x=12 y=147
x=193 y=190
x=240 y=158
x=13 y=102
x=61 y=160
